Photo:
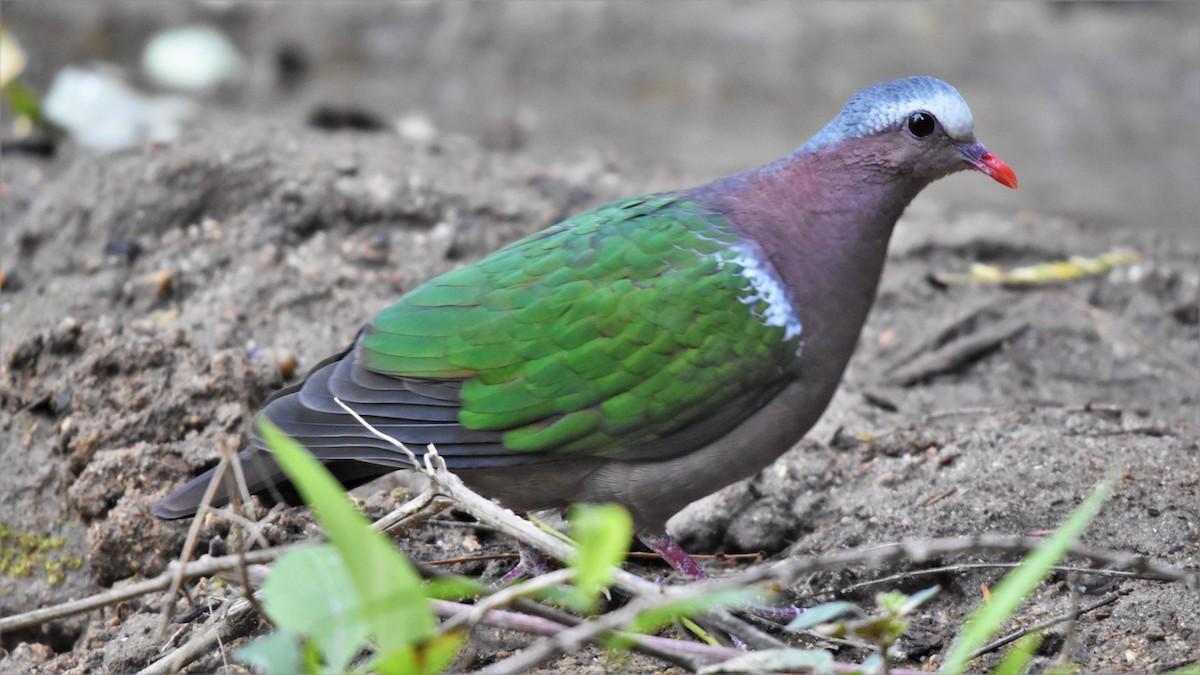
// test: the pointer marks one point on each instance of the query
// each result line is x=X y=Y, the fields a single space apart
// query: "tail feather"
x=414 y=411
x=263 y=478
x=259 y=468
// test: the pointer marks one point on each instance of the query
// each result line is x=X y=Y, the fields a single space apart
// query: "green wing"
x=605 y=332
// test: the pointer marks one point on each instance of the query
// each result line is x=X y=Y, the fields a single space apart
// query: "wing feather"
x=619 y=328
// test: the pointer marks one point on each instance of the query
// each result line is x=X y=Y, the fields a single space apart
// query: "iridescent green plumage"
x=601 y=334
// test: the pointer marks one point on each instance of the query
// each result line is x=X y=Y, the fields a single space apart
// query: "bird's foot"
x=532 y=563
x=676 y=557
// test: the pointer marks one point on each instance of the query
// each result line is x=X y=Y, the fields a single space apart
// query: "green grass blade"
x=278 y=653
x=1016 y=660
x=654 y=618
x=388 y=587
x=989 y=618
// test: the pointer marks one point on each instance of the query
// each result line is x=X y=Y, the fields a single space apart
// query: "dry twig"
x=1068 y=616
x=204 y=567
x=953 y=355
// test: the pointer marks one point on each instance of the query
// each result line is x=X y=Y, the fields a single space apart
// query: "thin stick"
x=952 y=569
x=412 y=513
x=189 y=545
x=203 y=567
x=506 y=596
x=1021 y=632
x=952 y=355
x=381 y=436
x=668 y=649
x=224 y=628
x=918 y=551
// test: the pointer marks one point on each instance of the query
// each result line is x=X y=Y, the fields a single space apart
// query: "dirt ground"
x=151 y=299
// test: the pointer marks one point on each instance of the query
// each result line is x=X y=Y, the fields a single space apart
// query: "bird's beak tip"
x=995 y=167
x=980 y=159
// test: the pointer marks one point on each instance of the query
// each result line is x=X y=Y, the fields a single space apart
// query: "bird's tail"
x=263 y=477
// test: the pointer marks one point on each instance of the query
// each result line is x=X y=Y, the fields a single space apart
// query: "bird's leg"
x=532 y=563
x=676 y=557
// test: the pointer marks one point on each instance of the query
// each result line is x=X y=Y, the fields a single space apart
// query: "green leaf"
x=602 y=535
x=917 y=599
x=309 y=594
x=428 y=658
x=985 y=621
x=656 y=617
x=881 y=630
x=824 y=613
x=1017 y=659
x=815 y=661
x=885 y=627
x=871 y=664
x=22 y=102
x=454 y=588
x=699 y=631
x=1044 y=273
x=388 y=587
x=275 y=654
x=563 y=596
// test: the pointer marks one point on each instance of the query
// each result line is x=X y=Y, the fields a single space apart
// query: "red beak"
x=981 y=160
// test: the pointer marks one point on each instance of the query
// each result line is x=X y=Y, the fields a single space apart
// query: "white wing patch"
x=766 y=287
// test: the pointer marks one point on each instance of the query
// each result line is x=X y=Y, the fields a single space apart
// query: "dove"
x=647 y=352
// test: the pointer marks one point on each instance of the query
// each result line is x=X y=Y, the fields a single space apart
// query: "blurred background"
x=1095 y=105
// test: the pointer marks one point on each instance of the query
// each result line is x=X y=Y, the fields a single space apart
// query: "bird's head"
x=916 y=125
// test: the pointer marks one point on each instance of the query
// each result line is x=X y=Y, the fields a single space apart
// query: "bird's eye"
x=920 y=124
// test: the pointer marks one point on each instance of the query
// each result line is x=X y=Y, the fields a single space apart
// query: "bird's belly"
x=655 y=491
x=548 y=485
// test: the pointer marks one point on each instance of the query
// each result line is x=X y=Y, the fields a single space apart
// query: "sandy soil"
x=153 y=298
x=1095 y=104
